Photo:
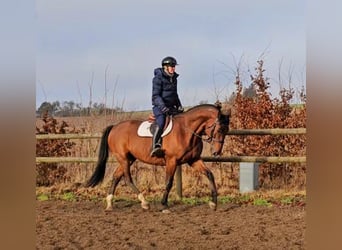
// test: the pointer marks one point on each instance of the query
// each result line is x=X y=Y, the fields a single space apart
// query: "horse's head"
x=217 y=131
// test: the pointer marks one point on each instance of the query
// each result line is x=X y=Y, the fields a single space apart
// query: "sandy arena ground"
x=85 y=225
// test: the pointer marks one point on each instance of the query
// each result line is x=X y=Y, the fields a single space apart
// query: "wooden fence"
x=254 y=159
x=260 y=159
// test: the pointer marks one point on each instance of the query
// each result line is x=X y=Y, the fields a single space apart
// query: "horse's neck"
x=197 y=122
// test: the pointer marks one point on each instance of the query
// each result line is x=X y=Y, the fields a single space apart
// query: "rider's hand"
x=165 y=110
x=180 y=109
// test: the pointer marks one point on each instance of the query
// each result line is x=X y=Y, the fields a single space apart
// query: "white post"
x=249 y=173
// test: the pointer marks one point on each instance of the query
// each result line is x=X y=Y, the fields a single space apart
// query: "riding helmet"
x=169 y=61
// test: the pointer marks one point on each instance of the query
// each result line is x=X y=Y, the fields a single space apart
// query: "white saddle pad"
x=144 y=129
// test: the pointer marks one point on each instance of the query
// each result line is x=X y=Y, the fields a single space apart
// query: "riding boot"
x=157 y=143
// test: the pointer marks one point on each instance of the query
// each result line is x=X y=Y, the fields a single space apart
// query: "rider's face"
x=170 y=69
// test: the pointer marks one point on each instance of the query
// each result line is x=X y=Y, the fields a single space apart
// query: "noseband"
x=211 y=137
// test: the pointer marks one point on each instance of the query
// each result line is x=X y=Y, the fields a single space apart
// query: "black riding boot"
x=157 y=143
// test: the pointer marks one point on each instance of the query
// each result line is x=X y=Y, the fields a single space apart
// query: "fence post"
x=249 y=173
x=179 y=181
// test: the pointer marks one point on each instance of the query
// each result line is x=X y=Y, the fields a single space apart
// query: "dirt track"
x=85 y=225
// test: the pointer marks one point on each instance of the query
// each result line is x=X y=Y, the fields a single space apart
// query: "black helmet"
x=169 y=60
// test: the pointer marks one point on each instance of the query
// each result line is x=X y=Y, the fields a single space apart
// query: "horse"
x=183 y=145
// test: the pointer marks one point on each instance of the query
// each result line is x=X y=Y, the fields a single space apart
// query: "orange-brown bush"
x=50 y=173
x=260 y=111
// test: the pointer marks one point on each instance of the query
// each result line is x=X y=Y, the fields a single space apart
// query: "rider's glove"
x=165 y=110
x=180 y=109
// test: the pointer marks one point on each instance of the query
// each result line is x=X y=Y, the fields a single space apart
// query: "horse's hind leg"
x=200 y=166
x=129 y=181
x=144 y=203
x=118 y=173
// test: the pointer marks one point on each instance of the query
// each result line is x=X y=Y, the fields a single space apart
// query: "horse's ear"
x=218 y=104
x=228 y=111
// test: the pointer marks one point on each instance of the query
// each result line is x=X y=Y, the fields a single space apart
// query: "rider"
x=165 y=99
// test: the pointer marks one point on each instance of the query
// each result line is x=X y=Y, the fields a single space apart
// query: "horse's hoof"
x=166 y=211
x=109 y=209
x=212 y=205
x=145 y=205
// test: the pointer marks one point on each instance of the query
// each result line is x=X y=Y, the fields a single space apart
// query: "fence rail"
x=273 y=131
x=258 y=159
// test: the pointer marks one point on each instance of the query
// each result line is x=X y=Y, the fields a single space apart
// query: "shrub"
x=260 y=111
x=50 y=173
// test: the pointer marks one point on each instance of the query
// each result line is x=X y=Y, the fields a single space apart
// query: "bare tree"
x=90 y=84
x=43 y=89
x=229 y=70
x=113 y=96
x=80 y=106
x=105 y=92
x=279 y=73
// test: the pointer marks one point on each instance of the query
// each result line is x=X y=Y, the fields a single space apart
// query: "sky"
x=107 y=51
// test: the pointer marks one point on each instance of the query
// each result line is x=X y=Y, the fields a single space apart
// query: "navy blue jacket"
x=164 y=90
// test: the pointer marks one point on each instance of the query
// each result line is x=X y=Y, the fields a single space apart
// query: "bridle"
x=211 y=138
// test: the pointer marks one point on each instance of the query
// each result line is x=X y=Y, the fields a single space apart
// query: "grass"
x=262 y=202
x=194 y=200
x=225 y=199
x=287 y=200
x=245 y=198
x=69 y=196
x=258 y=198
x=43 y=197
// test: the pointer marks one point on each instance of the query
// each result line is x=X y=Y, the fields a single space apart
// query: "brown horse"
x=183 y=144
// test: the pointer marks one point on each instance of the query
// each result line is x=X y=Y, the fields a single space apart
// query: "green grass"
x=69 y=196
x=244 y=198
x=225 y=199
x=286 y=200
x=195 y=200
x=190 y=201
x=255 y=199
x=43 y=197
x=262 y=202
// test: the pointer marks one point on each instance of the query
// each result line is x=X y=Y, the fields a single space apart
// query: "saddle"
x=147 y=128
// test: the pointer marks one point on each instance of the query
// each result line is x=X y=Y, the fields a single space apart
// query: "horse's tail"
x=99 y=172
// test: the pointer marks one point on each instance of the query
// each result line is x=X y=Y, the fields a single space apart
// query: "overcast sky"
x=79 y=40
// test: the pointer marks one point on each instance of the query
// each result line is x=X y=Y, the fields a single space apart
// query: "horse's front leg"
x=170 y=173
x=201 y=167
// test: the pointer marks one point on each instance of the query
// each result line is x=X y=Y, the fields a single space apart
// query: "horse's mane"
x=206 y=105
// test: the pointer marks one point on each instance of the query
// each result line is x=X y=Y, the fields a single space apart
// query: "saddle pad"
x=144 y=129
